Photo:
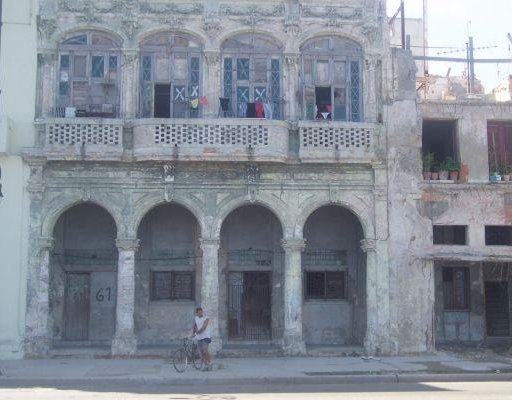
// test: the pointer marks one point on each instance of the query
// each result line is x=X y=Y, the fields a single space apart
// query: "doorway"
x=249 y=306
x=76 y=326
x=497 y=309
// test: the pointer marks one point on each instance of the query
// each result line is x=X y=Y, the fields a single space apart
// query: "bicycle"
x=187 y=354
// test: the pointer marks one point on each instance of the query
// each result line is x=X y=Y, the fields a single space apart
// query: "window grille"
x=456 y=288
x=167 y=285
x=325 y=285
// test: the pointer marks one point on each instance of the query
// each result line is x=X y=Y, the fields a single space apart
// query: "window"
x=439 y=142
x=331 y=80
x=251 y=77
x=166 y=285
x=498 y=235
x=171 y=77
x=499 y=138
x=450 y=235
x=89 y=78
x=456 y=288
x=326 y=285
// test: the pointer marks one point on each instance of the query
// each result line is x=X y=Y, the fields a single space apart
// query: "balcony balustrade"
x=211 y=139
x=331 y=141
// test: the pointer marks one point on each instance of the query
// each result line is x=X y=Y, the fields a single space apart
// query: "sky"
x=449 y=22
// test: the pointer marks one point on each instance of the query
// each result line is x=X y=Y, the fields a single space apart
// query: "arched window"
x=89 y=76
x=252 y=78
x=171 y=76
x=331 y=79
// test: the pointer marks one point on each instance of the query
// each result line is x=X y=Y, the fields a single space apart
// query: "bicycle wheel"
x=179 y=360
x=196 y=358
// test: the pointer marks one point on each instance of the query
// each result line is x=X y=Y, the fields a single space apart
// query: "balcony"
x=82 y=138
x=211 y=139
x=335 y=142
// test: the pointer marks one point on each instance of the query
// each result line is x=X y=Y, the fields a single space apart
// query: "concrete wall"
x=17 y=103
x=252 y=228
x=85 y=243
x=166 y=232
x=336 y=321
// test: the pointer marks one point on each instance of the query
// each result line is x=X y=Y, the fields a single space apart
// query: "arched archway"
x=250 y=273
x=83 y=276
x=167 y=274
x=334 y=271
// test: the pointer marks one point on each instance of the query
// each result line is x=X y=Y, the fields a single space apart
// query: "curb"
x=391 y=378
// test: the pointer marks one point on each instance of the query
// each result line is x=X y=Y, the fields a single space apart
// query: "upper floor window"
x=252 y=77
x=170 y=77
x=331 y=80
x=89 y=76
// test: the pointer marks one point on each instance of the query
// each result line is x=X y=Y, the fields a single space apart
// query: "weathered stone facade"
x=218 y=199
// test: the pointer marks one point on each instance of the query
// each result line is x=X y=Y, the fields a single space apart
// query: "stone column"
x=211 y=87
x=125 y=342
x=38 y=332
x=378 y=338
x=48 y=83
x=291 y=84
x=210 y=288
x=293 y=343
x=130 y=84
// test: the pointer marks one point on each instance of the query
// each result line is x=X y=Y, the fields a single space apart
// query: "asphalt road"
x=405 y=391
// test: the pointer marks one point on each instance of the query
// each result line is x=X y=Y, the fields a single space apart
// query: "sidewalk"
x=312 y=370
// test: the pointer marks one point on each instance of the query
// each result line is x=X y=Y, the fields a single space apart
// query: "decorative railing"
x=219 y=139
x=322 y=141
x=81 y=138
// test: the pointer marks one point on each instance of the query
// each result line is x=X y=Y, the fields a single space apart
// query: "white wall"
x=18 y=60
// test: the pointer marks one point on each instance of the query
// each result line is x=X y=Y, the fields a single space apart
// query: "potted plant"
x=435 y=171
x=453 y=168
x=495 y=175
x=428 y=163
x=443 y=171
x=504 y=171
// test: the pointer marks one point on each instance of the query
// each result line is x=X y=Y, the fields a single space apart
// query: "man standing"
x=202 y=332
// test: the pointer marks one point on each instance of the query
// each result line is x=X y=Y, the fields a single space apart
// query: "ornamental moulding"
x=164 y=8
x=241 y=11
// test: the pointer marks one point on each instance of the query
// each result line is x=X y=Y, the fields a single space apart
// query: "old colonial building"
x=263 y=161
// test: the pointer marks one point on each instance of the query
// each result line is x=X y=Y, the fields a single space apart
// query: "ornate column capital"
x=292 y=59
x=368 y=245
x=212 y=57
x=209 y=242
x=127 y=244
x=45 y=243
x=293 y=244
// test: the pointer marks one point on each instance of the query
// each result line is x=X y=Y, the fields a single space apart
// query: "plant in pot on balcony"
x=504 y=171
x=453 y=168
x=428 y=162
x=444 y=173
x=435 y=171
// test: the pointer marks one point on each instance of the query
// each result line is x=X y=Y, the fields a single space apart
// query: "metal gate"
x=76 y=314
x=249 y=306
x=497 y=309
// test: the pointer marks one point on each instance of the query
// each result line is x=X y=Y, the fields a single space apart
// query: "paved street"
x=129 y=391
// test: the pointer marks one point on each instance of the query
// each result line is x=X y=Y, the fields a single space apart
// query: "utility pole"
x=402 y=16
x=471 y=61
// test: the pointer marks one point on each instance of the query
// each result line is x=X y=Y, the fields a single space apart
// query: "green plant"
x=451 y=165
x=503 y=169
x=428 y=162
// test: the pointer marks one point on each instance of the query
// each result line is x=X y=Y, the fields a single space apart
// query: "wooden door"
x=76 y=307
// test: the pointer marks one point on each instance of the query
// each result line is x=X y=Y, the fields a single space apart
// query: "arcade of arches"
x=257 y=286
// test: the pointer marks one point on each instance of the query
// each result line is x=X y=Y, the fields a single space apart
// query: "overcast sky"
x=488 y=22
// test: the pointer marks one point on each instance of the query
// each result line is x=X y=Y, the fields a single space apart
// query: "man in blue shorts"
x=202 y=333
